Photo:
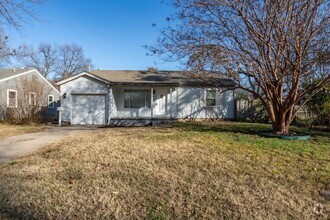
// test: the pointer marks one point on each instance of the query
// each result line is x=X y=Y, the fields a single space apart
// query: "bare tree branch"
x=270 y=48
x=71 y=60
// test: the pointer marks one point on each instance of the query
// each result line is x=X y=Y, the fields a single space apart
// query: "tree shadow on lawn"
x=243 y=128
x=10 y=206
x=233 y=127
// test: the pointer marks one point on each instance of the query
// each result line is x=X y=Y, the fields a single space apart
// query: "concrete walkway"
x=13 y=147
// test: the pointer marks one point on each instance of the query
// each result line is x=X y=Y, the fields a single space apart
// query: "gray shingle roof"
x=6 y=73
x=175 y=78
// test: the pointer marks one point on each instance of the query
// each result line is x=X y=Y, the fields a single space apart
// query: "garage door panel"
x=88 y=109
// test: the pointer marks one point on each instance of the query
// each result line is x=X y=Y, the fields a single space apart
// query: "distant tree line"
x=55 y=61
x=52 y=61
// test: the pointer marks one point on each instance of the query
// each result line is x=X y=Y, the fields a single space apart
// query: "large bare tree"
x=5 y=51
x=71 y=60
x=269 y=47
x=58 y=61
x=14 y=13
x=43 y=59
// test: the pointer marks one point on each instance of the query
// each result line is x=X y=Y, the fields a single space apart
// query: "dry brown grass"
x=8 y=130
x=158 y=173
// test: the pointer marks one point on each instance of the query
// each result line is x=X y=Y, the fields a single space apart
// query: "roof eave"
x=159 y=84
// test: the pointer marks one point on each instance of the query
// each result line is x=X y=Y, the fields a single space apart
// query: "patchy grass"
x=7 y=130
x=192 y=171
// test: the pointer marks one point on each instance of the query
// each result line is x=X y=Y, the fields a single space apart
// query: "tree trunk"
x=281 y=121
x=281 y=127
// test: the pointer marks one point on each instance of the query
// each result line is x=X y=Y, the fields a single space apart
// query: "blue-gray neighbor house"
x=22 y=90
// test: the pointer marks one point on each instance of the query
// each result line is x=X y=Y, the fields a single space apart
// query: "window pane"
x=210 y=102
x=210 y=97
x=148 y=99
x=32 y=98
x=126 y=99
x=210 y=94
x=12 y=99
x=12 y=95
x=137 y=99
x=51 y=102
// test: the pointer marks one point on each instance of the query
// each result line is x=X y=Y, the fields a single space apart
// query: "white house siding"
x=182 y=102
x=191 y=104
x=80 y=86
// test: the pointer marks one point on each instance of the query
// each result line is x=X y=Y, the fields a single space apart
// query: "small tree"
x=31 y=101
x=268 y=47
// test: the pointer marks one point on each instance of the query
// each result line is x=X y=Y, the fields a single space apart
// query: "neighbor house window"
x=210 y=97
x=50 y=101
x=11 y=98
x=137 y=98
x=32 y=98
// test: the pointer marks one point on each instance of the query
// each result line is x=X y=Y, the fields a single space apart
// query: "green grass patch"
x=192 y=171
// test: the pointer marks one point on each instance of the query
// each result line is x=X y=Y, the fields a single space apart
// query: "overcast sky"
x=111 y=32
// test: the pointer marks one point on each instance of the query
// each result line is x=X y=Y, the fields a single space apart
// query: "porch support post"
x=109 y=104
x=152 y=103
x=171 y=102
x=59 y=117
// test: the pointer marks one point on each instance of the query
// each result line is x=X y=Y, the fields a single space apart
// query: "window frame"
x=35 y=99
x=16 y=101
x=52 y=104
x=215 y=98
x=145 y=98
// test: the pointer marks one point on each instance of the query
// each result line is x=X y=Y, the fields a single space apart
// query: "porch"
x=135 y=104
x=141 y=122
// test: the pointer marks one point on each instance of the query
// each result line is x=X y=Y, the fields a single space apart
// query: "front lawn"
x=8 y=130
x=191 y=171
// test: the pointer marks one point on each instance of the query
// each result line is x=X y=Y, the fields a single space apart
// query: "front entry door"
x=162 y=105
x=161 y=102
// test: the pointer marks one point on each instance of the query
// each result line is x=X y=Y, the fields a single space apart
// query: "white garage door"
x=88 y=109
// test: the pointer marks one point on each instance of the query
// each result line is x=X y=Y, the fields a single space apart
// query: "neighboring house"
x=23 y=90
x=112 y=97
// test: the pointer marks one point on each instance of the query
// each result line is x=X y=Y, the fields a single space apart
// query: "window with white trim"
x=33 y=98
x=137 y=98
x=210 y=98
x=11 y=98
x=51 y=101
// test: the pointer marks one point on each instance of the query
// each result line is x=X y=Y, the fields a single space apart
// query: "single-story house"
x=113 y=97
x=24 y=90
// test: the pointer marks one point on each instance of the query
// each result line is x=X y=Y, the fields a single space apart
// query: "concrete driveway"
x=13 y=147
